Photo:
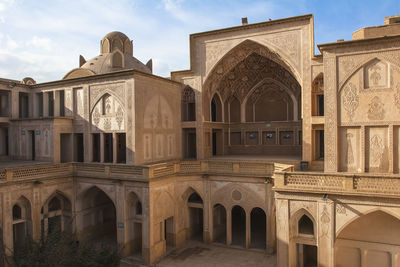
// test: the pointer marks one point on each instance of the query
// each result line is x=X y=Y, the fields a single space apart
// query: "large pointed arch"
x=242 y=68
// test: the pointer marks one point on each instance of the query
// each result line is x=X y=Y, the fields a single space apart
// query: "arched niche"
x=244 y=67
x=258 y=227
x=56 y=214
x=219 y=224
x=375 y=233
x=317 y=102
x=195 y=218
x=117 y=60
x=216 y=108
x=234 y=109
x=188 y=104
x=21 y=223
x=134 y=225
x=108 y=114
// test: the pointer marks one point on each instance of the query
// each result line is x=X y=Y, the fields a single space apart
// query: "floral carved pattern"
x=377 y=150
x=397 y=97
x=96 y=117
x=376 y=111
x=119 y=117
x=107 y=124
x=350 y=99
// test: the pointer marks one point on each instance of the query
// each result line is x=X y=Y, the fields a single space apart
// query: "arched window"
x=188 y=104
x=318 y=95
x=117 y=60
x=195 y=198
x=234 y=110
x=17 y=212
x=138 y=208
x=306 y=225
x=216 y=109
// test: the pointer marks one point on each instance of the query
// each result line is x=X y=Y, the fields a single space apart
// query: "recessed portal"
x=169 y=233
x=108 y=147
x=195 y=206
x=307 y=255
x=121 y=148
x=238 y=226
x=219 y=224
x=258 y=229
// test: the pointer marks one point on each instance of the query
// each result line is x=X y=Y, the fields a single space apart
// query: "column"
x=7 y=223
x=229 y=226
x=115 y=147
x=248 y=229
x=36 y=215
x=325 y=233
x=282 y=232
x=120 y=214
x=56 y=96
x=45 y=104
x=101 y=147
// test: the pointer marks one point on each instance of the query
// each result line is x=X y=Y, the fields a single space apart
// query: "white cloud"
x=38 y=42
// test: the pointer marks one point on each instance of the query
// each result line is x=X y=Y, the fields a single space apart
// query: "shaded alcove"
x=195 y=210
x=305 y=225
x=22 y=224
x=99 y=218
x=219 y=224
x=134 y=225
x=238 y=226
x=216 y=109
x=258 y=228
x=378 y=231
x=56 y=214
x=188 y=104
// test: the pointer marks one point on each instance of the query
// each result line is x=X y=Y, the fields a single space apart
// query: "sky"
x=43 y=39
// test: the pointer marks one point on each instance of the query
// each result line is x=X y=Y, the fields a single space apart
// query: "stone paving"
x=196 y=254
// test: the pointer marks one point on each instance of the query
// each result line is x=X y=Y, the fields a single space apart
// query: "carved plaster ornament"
x=350 y=99
x=350 y=156
x=107 y=124
x=377 y=150
x=96 y=117
x=119 y=117
x=376 y=111
x=397 y=97
x=341 y=209
x=375 y=76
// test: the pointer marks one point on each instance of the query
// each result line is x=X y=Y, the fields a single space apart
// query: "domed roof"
x=116 y=53
x=115 y=35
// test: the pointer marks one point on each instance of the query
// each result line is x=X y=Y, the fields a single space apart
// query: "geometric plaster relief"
x=376 y=111
x=236 y=195
x=341 y=209
x=78 y=95
x=376 y=74
x=350 y=99
x=349 y=155
x=108 y=114
x=377 y=149
x=397 y=97
x=158 y=114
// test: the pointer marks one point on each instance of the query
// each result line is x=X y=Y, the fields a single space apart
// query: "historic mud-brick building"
x=261 y=144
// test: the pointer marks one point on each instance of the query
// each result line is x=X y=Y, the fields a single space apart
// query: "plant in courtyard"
x=62 y=249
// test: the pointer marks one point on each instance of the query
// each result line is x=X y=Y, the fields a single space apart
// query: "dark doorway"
x=65 y=147
x=217 y=142
x=99 y=219
x=319 y=144
x=79 y=150
x=238 y=226
x=258 y=229
x=216 y=109
x=23 y=105
x=62 y=104
x=195 y=205
x=108 y=147
x=169 y=232
x=96 y=147
x=219 y=224
x=307 y=255
x=189 y=143
x=121 y=148
x=50 y=104
x=31 y=147
x=320 y=99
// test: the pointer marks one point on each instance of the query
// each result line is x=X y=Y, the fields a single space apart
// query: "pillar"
x=325 y=233
x=56 y=96
x=229 y=227
x=36 y=215
x=115 y=147
x=282 y=226
x=101 y=147
x=7 y=223
x=248 y=229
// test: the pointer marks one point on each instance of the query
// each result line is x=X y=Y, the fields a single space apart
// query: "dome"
x=114 y=41
x=116 y=53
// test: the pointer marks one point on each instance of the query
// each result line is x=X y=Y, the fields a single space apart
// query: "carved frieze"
x=376 y=110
